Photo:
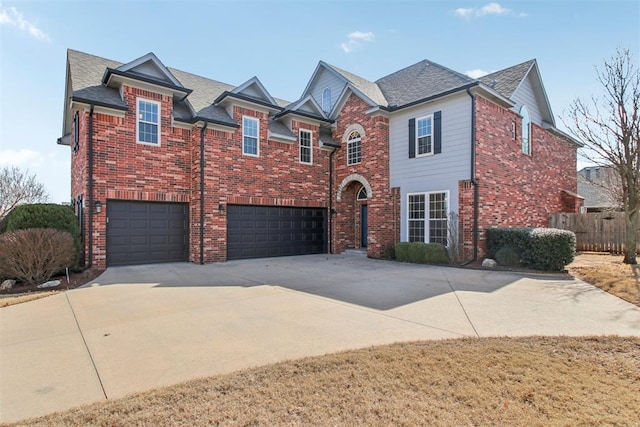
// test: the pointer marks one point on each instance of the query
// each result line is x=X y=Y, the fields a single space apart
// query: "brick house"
x=169 y=166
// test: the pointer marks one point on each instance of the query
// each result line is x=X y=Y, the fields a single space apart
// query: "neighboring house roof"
x=507 y=81
x=597 y=184
x=419 y=81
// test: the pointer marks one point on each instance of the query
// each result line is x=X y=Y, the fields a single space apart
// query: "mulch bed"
x=75 y=280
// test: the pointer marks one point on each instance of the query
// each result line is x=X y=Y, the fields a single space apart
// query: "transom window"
x=306 y=147
x=526 y=130
x=362 y=194
x=148 y=122
x=326 y=100
x=354 y=148
x=250 y=128
x=424 y=139
x=428 y=217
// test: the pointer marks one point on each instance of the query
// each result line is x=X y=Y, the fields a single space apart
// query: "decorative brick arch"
x=349 y=179
x=351 y=128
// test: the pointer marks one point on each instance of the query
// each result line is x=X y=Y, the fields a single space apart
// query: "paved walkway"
x=137 y=328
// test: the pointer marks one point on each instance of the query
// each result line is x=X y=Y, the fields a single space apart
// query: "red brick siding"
x=515 y=189
x=382 y=205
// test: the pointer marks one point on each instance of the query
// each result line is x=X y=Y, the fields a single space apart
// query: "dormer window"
x=148 y=122
x=326 y=100
x=526 y=130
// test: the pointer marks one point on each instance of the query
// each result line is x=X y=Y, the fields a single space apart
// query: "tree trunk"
x=631 y=225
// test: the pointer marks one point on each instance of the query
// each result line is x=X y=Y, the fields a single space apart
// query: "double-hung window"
x=250 y=132
x=148 y=122
x=354 y=148
x=428 y=217
x=424 y=137
x=306 y=147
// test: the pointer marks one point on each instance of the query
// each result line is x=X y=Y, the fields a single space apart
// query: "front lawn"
x=490 y=381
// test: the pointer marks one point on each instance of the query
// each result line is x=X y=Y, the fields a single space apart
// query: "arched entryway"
x=352 y=218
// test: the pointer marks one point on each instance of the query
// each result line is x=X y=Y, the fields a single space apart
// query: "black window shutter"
x=412 y=138
x=437 y=132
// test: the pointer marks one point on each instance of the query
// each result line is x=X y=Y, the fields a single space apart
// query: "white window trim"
x=427 y=218
x=300 y=132
x=430 y=116
x=257 y=137
x=353 y=142
x=149 y=101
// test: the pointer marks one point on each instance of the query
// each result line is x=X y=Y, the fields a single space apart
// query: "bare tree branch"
x=610 y=130
x=18 y=187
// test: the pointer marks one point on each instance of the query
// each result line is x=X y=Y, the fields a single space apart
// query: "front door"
x=363 y=226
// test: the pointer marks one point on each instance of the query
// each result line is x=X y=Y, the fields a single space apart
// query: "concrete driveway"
x=138 y=328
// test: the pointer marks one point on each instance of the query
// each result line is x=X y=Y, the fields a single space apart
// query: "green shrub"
x=551 y=249
x=507 y=256
x=35 y=254
x=389 y=252
x=547 y=249
x=421 y=253
x=46 y=215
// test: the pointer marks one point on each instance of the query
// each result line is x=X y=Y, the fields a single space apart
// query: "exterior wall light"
x=98 y=206
x=221 y=208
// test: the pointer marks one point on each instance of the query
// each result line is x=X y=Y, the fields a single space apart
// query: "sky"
x=281 y=43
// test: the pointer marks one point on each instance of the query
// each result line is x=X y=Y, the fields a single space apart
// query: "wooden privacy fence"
x=595 y=231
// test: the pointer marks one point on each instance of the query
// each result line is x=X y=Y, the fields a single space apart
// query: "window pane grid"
x=428 y=218
x=354 y=149
x=305 y=147
x=424 y=136
x=249 y=136
x=148 y=122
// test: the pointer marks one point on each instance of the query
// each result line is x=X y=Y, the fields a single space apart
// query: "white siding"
x=325 y=79
x=525 y=95
x=439 y=171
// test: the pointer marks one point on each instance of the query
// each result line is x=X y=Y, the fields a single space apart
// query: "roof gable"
x=365 y=89
x=307 y=104
x=253 y=88
x=151 y=67
x=517 y=81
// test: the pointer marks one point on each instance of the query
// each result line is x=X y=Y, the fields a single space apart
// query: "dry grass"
x=6 y=301
x=609 y=274
x=496 y=381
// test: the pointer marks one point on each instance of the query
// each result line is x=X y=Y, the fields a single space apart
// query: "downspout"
x=476 y=194
x=202 y=134
x=91 y=198
x=330 y=248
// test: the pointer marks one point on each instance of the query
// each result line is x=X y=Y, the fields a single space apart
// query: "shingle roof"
x=593 y=184
x=420 y=81
x=280 y=129
x=369 y=89
x=506 y=81
x=86 y=83
x=86 y=78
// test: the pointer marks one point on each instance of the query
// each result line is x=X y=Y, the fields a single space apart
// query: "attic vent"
x=494 y=82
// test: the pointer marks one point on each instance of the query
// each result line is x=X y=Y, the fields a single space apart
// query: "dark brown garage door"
x=146 y=232
x=269 y=231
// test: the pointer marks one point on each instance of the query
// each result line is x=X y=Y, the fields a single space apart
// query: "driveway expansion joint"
x=84 y=341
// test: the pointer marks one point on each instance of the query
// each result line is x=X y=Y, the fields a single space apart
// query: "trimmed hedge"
x=508 y=257
x=548 y=249
x=46 y=215
x=421 y=253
